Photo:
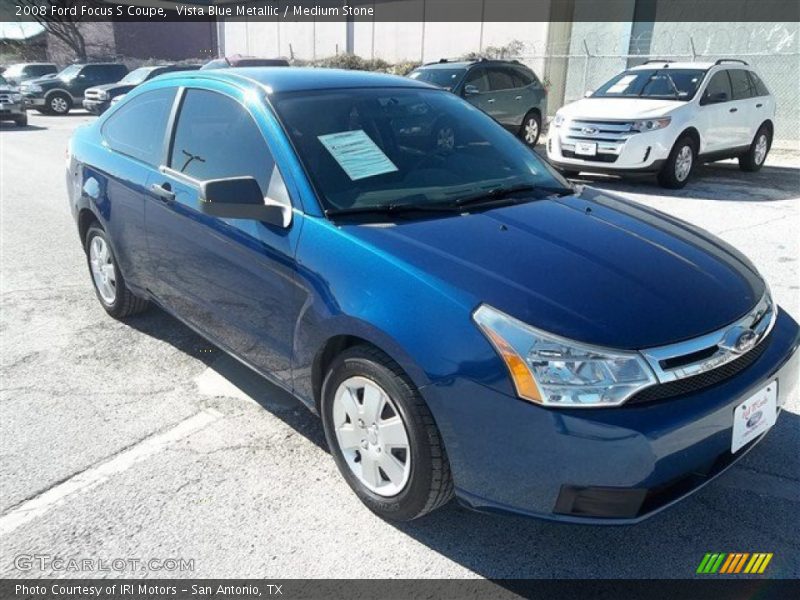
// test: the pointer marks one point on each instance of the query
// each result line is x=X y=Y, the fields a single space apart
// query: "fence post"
x=694 y=52
x=585 y=68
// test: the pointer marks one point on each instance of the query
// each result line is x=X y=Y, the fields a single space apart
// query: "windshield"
x=366 y=148
x=678 y=84
x=137 y=76
x=14 y=70
x=70 y=72
x=444 y=78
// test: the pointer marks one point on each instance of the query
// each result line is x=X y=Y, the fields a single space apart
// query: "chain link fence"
x=572 y=67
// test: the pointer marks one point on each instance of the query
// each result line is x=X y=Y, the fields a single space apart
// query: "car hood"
x=612 y=108
x=590 y=267
x=44 y=81
x=114 y=88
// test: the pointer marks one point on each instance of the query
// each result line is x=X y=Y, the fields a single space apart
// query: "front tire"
x=59 y=103
x=679 y=165
x=383 y=437
x=21 y=121
x=756 y=155
x=109 y=285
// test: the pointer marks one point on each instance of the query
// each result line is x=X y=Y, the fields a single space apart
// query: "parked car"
x=665 y=118
x=463 y=321
x=506 y=90
x=11 y=106
x=57 y=95
x=98 y=98
x=238 y=60
x=20 y=72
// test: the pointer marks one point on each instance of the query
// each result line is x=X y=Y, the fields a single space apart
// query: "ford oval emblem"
x=739 y=340
x=745 y=341
x=754 y=419
x=589 y=130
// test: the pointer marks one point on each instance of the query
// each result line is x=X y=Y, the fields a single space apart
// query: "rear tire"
x=756 y=155
x=679 y=165
x=531 y=129
x=363 y=382
x=109 y=284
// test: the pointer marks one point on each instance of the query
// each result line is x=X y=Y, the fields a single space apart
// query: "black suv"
x=98 y=98
x=57 y=95
x=506 y=90
x=20 y=72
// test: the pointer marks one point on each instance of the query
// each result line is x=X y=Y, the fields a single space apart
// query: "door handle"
x=733 y=110
x=490 y=101
x=164 y=192
x=518 y=98
x=759 y=105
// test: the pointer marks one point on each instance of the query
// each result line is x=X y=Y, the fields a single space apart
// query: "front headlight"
x=650 y=124
x=32 y=88
x=16 y=97
x=554 y=371
x=101 y=95
x=558 y=120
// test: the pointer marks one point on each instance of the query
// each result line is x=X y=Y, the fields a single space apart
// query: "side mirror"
x=241 y=198
x=471 y=90
x=588 y=93
x=715 y=98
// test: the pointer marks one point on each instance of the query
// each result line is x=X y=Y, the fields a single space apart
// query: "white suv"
x=664 y=117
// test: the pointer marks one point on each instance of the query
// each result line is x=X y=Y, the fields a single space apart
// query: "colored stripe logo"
x=734 y=562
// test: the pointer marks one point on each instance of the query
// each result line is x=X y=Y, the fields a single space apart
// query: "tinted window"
x=501 y=79
x=477 y=77
x=444 y=78
x=758 y=85
x=217 y=138
x=740 y=83
x=137 y=128
x=719 y=84
x=41 y=69
x=524 y=76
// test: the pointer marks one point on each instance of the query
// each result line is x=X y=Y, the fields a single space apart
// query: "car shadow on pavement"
x=753 y=507
x=274 y=399
x=13 y=127
x=716 y=181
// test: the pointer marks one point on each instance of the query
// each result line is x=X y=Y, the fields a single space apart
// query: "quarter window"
x=217 y=138
x=137 y=128
x=477 y=77
x=758 y=85
x=740 y=83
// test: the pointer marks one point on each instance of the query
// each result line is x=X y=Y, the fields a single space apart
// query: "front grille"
x=681 y=387
x=604 y=158
x=599 y=131
x=92 y=95
x=6 y=99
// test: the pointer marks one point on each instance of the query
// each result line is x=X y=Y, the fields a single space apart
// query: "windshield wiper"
x=388 y=209
x=503 y=193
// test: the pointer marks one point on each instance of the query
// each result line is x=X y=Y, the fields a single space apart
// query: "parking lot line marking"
x=93 y=476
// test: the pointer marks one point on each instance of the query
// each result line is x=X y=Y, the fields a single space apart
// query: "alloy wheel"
x=372 y=436
x=531 y=131
x=761 y=149
x=59 y=105
x=683 y=163
x=103 y=274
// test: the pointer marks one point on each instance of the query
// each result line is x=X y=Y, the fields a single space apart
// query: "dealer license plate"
x=755 y=415
x=586 y=148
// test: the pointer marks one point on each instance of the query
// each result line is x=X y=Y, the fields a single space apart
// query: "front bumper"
x=96 y=107
x=33 y=101
x=604 y=466
x=636 y=153
x=12 y=110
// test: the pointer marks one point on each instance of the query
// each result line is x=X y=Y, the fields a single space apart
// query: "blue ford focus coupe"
x=463 y=320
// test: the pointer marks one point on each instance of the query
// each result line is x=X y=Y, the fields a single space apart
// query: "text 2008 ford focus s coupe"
x=464 y=322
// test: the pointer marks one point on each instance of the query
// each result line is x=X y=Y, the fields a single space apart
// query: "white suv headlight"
x=650 y=124
x=558 y=120
x=554 y=371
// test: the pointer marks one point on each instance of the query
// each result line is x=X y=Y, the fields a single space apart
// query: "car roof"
x=294 y=79
x=656 y=64
x=465 y=64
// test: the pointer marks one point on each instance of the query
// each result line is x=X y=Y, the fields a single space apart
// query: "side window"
x=500 y=79
x=758 y=85
x=137 y=128
x=477 y=77
x=740 y=83
x=90 y=72
x=524 y=76
x=217 y=138
x=719 y=88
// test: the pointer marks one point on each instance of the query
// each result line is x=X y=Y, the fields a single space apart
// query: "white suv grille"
x=610 y=137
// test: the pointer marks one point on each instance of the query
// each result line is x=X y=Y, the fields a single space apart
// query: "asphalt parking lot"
x=141 y=441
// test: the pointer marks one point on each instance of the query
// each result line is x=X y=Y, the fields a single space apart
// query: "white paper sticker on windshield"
x=621 y=85
x=357 y=154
